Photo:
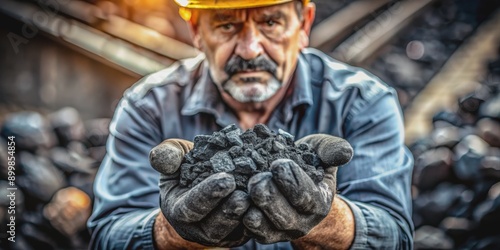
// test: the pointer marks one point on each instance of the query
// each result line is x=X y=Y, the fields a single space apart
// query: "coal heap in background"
x=457 y=173
x=410 y=62
x=245 y=154
x=56 y=159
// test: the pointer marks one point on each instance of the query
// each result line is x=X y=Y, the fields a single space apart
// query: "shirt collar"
x=302 y=84
x=206 y=98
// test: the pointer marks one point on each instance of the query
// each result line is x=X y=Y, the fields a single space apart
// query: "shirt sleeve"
x=376 y=183
x=126 y=186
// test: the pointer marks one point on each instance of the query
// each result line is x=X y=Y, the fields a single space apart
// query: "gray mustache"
x=238 y=64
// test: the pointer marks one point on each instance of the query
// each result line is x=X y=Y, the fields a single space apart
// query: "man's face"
x=252 y=53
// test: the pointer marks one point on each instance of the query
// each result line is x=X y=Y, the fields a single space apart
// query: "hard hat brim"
x=185 y=6
x=229 y=4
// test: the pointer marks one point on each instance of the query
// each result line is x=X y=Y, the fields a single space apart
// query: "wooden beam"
x=117 y=53
x=366 y=42
x=147 y=38
x=333 y=30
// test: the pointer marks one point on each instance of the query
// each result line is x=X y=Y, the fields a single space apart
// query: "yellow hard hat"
x=186 y=5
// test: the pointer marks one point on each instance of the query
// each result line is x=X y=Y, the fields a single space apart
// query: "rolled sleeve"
x=128 y=231
x=371 y=233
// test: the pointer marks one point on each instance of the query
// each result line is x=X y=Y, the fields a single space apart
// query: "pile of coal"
x=456 y=181
x=245 y=154
x=56 y=157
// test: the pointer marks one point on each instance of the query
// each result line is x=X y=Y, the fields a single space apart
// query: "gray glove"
x=288 y=204
x=209 y=213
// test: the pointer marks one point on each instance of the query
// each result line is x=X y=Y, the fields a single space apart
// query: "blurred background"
x=64 y=65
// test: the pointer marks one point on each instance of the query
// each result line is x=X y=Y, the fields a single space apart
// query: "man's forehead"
x=228 y=14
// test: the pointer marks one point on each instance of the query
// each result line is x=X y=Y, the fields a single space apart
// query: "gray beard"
x=263 y=93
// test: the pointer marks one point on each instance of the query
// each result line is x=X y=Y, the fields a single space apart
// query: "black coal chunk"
x=31 y=131
x=244 y=154
x=222 y=162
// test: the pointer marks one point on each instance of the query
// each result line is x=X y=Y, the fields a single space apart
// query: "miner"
x=255 y=68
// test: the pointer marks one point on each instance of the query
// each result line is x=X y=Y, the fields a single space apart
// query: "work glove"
x=287 y=202
x=210 y=212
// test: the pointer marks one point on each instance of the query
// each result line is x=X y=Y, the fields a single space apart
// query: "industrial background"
x=64 y=64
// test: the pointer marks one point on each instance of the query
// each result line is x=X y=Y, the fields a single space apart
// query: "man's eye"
x=270 y=23
x=227 y=26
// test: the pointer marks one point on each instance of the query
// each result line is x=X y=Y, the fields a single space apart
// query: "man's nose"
x=249 y=44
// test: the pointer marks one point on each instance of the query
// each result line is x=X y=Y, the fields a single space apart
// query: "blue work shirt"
x=328 y=97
